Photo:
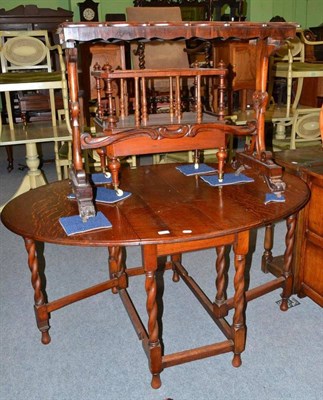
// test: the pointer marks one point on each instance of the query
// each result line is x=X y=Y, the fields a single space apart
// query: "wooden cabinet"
x=31 y=17
x=240 y=59
x=308 y=261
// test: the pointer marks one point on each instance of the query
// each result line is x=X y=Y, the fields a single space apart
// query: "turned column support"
x=42 y=315
x=117 y=268
x=240 y=248
x=268 y=246
x=288 y=259
x=149 y=255
x=220 y=308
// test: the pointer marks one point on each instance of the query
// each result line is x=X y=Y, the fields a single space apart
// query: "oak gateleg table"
x=167 y=214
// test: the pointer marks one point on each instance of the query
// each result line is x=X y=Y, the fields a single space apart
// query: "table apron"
x=181 y=247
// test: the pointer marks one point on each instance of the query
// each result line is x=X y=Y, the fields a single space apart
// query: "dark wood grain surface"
x=162 y=199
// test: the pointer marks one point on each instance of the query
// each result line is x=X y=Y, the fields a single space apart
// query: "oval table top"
x=162 y=199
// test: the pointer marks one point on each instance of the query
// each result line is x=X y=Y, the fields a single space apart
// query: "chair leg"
x=289 y=94
x=9 y=110
x=298 y=92
x=63 y=159
x=52 y=106
x=66 y=108
x=9 y=158
x=57 y=161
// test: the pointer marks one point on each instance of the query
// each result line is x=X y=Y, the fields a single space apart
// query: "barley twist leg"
x=219 y=307
x=117 y=268
x=155 y=355
x=42 y=315
x=238 y=326
x=288 y=259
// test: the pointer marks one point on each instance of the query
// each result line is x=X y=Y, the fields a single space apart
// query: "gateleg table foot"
x=284 y=305
x=156 y=381
x=45 y=337
x=236 y=361
x=175 y=258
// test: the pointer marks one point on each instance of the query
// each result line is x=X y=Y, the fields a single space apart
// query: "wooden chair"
x=27 y=64
x=305 y=131
x=289 y=63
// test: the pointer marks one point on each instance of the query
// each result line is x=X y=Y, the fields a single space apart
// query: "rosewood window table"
x=265 y=39
x=167 y=214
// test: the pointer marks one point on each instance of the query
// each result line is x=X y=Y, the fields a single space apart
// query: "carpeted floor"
x=95 y=353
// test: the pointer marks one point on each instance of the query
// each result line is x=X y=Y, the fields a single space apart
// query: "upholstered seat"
x=30 y=77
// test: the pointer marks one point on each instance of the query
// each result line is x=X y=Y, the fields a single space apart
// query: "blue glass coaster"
x=189 y=169
x=100 y=178
x=274 y=198
x=228 y=179
x=74 y=224
x=105 y=195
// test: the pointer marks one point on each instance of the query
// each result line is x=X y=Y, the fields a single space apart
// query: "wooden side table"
x=308 y=262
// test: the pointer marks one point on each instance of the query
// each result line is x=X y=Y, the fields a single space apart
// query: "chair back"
x=293 y=50
x=25 y=51
x=30 y=63
x=305 y=128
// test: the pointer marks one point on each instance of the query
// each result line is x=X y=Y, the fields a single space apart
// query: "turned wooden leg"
x=149 y=254
x=114 y=168
x=9 y=157
x=103 y=161
x=220 y=306
x=42 y=315
x=117 y=268
x=240 y=249
x=175 y=258
x=268 y=246
x=221 y=156
x=288 y=259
